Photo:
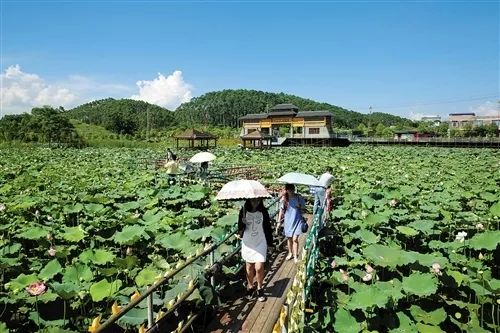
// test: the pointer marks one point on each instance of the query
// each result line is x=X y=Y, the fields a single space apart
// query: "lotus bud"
x=2 y=207
x=481 y=257
x=345 y=275
x=369 y=269
x=135 y=296
x=479 y=226
x=436 y=268
x=367 y=277
x=480 y=272
x=333 y=264
x=393 y=203
x=115 y=308
x=170 y=304
x=49 y=218
x=37 y=214
x=129 y=251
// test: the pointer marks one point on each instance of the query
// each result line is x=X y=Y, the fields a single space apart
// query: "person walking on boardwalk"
x=291 y=209
x=322 y=195
x=255 y=231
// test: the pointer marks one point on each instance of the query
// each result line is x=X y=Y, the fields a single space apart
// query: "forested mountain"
x=44 y=125
x=123 y=116
x=223 y=108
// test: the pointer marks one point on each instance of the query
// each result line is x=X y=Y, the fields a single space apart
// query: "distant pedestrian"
x=322 y=195
x=291 y=213
x=255 y=231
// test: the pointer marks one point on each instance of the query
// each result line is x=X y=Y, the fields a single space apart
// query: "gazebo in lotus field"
x=196 y=139
x=256 y=139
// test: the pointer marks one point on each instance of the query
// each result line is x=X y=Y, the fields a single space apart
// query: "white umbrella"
x=325 y=179
x=242 y=189
x=202 y=157
x=299 y=179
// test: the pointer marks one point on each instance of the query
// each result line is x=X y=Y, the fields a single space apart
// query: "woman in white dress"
x=255 y=231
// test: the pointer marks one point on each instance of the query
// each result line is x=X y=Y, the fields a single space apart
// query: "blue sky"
x=401 y=57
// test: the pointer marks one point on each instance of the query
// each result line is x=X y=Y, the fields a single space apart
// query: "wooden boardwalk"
x=244 y=314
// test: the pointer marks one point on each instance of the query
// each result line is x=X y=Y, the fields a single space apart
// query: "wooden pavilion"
x=196 y=139
x=256 y=139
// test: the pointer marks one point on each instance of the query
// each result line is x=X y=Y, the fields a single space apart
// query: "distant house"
x=435 y=120
x=459 y=120
x=303 y=124
x=411 y=135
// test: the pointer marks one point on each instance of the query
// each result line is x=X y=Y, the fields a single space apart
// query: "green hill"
x=223 y=108
x=123 y=116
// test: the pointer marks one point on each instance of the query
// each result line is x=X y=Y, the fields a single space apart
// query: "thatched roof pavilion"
x=256 y=139
x=196 y=139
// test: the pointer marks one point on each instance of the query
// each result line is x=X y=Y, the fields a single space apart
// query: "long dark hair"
x=260 y=207
x=288 y=187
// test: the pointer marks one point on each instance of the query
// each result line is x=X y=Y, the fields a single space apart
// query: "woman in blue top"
x=291 y=209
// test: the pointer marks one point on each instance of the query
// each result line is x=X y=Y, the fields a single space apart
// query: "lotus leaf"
x=73 y=234
x=146 y=277
x=76 y=208
x=77 y=273
x=405 y=324
x=34 y=233
x=420 y=284
x=129 y=234
x=486 y=240
x=134 y=317
x=21 y=282
x=423 y=328
x=128 y=206
x=479 y=289
x=495 y=209
x=94 y=209
x=197 y=234
x=457 y=276
x=103 y=289
x=385 y=256
x=373 y=220
x=345 y=322
x=176 y=241
x=367 y=236
x=408 y=231
x=98 y=257
x=366 y=297
x=52 y=268
x=435 y=317
x=230 y=219
x=65 y=290
x=194 y=196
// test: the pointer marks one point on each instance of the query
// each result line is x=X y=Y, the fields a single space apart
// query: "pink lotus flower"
x=393 y=203
x=436 y=268
x=367 y=277
x=36 y=288
x=333 y=264
x=369 y=269
x=479 y=226
x=345 y=275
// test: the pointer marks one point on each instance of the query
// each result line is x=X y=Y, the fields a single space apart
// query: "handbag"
x=304 y=226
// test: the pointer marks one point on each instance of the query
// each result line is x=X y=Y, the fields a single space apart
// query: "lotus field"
x=412 y=244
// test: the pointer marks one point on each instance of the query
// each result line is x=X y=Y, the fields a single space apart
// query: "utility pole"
x=147 y=123
x=370 y=120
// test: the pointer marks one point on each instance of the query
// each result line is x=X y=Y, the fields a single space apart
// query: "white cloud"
x=20 y=91
x=169 y=92
x=486 y=109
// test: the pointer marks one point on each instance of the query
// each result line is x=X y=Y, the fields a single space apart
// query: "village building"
x=286 y=121
x=459 y=120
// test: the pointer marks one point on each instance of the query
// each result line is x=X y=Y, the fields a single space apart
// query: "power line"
x=436 y=102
